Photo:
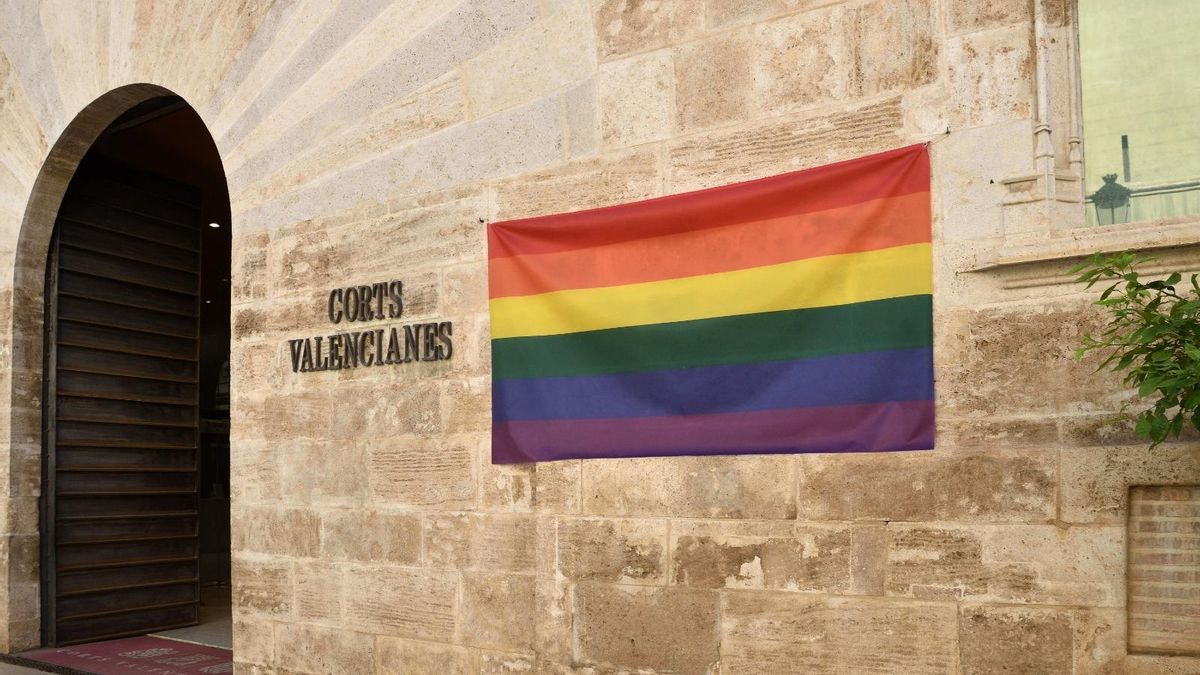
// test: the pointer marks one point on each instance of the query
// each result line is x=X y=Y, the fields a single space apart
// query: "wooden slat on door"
x=120 y=501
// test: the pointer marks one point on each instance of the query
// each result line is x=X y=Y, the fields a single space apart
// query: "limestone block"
x=956 y=434
x=323 y=472
x=727 y=59
x=20 y=515
x=626 y=27
x=504 y=487
x=467 y=405
x=254 y=472
x=258 y=367
x=602 y=181
x=422 y=471
x=897 y=45
x=699 y=487
x=403 y=602
x=583 y=126
x=262 y=586
x=932 y=485
x=1015 y=640
x=990 y=75
x=1007 y=563
x=273 y=530
x=394 y=656
x=254 y=640
x=725 y=13
x=971 y=164
x=510 y=142
x=657 y=629
x=370 y=536
x=636 y=99
x=974 y=15
x=795 y=633
x=500 y=663
x=556 y=487
x=774 y=146
x=386 y=412
x=318 y=649
x=553 y=52
x=1011 y=360
x=248 y=266
x=436 y=106
x=805 y=58
x=1096 y=481
x=495 y=542
x=318 y=592
x=464 y=289
x=619 y=551
x=761 y=556
x=497 y=610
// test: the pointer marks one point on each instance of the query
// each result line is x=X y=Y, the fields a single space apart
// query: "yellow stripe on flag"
x=813 y=282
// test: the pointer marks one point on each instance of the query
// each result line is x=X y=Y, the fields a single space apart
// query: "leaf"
x=1142 y=429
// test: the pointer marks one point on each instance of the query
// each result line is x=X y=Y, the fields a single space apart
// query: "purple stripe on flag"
x=896 y=425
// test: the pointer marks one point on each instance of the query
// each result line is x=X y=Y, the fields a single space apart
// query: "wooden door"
x=120 y=474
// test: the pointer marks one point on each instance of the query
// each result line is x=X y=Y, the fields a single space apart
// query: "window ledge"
x=1042 y=259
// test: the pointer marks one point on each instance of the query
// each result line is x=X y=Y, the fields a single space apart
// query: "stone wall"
x=372 y=140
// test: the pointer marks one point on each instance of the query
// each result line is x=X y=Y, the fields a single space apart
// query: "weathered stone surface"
x=281 y=531
x=793 y=633
x=1007 y=563
x=498 y=610
x=621 y=177
x=936 y=485
x=636 y=98
x=556 y=487
x=401 y=602
x=725 y=59
x=423 y=471
x=896 y=46
x=553 y=52
x=254 y=641
x=394 y=656
x=723 y=13
x=262 y=586
x=776 y=146
x=620 y=551
x=341 y=479
x=967 y=17
x=1096 y=481
x=499 y=542
x=990 y=76
x=780 y=556
x=318 y=592
x=370 y=536
x=805 y=59
x=317 y=649
x=1015 y=640
x=725 y=487
x=658 y=629
x=627 y=26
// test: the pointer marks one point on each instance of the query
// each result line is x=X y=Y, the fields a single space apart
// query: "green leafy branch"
x=1152 y=336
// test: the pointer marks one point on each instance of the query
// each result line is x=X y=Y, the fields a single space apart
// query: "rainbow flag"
x=787 y=314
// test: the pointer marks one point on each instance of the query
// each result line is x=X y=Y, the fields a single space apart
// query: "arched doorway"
x=134 y=506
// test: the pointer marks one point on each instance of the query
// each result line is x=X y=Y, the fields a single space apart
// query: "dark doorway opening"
x=135 y=480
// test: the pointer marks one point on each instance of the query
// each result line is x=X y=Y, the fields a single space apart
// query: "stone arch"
x=19 y=577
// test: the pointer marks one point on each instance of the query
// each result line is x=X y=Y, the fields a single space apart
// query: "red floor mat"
x=138 y=656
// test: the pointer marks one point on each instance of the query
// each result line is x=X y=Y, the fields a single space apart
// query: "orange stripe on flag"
x=867 y=226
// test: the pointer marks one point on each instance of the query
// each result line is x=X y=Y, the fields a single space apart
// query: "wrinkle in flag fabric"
x=786 y=314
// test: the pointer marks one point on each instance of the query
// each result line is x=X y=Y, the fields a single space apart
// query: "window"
x=1140 y=72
